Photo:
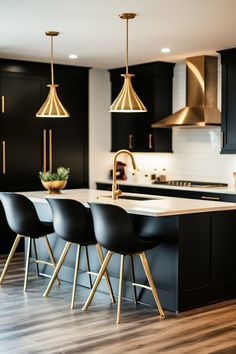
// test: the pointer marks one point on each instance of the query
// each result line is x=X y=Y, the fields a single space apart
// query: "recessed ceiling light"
x=73 y=56
x=165 y=50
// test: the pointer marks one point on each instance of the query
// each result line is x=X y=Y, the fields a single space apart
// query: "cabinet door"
x=21 y=95
x=23 y=154
x=69 y=144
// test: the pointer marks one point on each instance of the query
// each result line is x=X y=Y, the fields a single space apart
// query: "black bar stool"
x=73 y=223
x=22 y=218
x=114 y=230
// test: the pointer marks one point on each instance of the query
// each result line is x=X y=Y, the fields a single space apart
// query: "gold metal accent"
x=54 y=187
x=9 y=258
x=57 y=269
x=51 y=256
x=151 y=282
x=75 y=276
x=201 y=98
x=222 y=140
x=100 y=255
x=209 y=198
x=120 y=288
x=44 y=150
x=115 y=191
x=98 y=279
x=3 y=104
x=150 y=141
x=50 y=150
x=127 y=101
x=52 y=107
x=4 y=157
x=131 y=141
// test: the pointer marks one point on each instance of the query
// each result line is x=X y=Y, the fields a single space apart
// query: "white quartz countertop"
x=230 y=189
x=157 y=206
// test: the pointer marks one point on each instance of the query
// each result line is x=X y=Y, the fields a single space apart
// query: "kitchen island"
x=193 y=265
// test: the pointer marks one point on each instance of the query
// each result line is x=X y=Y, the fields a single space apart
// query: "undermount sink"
x=130 y=197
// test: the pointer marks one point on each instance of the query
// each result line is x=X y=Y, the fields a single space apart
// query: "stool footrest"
x=142 y=286
x=94 y=273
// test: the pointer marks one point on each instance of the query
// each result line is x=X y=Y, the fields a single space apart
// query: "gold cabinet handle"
x=4 y=157
x=209 y=198
x=3 y=104
x=44 y=150
x=150 y=141
x=222 y=140
x=131 y=141
x=50 y=150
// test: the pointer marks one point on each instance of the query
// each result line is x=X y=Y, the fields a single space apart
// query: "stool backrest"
x=113 y=228
x=21 y=214
x=72 y=221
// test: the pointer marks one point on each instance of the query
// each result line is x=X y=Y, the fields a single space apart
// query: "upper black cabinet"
x=228 y=61
x=153 y=84
x=29 y=143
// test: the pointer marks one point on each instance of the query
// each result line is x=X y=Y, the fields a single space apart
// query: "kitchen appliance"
x=201 y=96
x=184 y=183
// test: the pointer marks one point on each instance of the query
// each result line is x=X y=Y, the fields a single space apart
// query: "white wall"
x=99 y=126
x=196 y=151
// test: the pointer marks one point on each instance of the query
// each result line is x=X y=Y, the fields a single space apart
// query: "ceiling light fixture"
x=73 y=56
x=52 y=107
x=165 y=50
x=127 y=101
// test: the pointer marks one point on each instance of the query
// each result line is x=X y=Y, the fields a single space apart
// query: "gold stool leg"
x=120 y=288
x=88 y=266
x=151 y=282
x=58 y=267
x=51 y=256
x=98 y=279
x=27 y=264
x=9 y=258
x=36 y=257
x=133 y=278
x=100 y=255
x=75 y=276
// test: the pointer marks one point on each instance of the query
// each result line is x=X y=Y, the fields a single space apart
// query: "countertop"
x=157 y=206
x=230 y=189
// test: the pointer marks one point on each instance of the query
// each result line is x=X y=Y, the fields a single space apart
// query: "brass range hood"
x=201 y=96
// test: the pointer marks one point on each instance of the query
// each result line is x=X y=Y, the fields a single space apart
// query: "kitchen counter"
x=230 y=189
x=194 y=263
x=156 y=206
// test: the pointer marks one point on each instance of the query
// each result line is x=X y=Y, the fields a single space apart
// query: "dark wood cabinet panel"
x=228 y=61
x=153 y=84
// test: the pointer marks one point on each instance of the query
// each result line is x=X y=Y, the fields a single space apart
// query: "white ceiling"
x=93 y=30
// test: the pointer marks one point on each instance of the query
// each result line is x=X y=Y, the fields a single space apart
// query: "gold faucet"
x=115 y=191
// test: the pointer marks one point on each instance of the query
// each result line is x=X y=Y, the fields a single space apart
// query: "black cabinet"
x=228 y=61
x=153 y=84
x=28 y=143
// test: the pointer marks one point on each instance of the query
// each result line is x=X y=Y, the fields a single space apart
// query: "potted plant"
x=54 y=182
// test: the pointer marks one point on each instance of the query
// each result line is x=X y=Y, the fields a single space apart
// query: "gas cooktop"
x=183 y=183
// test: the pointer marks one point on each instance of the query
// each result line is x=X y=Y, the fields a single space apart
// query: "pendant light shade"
x=52 y=107
x=127 y=101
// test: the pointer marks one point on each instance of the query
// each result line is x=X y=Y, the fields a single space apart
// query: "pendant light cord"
x=52 y=70
x=127 y=48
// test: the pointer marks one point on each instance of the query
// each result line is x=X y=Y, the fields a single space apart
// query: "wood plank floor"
x=30 y=324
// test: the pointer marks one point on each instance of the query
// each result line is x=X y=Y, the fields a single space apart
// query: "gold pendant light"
x=52 y=107
x=127 y=101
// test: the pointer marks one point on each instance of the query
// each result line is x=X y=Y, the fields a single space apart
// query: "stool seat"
x=73 y=223
x=115 y=231
x=23 y=219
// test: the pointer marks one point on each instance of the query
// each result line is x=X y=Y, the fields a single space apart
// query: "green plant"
x=61 y=175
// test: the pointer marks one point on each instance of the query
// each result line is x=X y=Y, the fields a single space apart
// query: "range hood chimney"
x=201 y=96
